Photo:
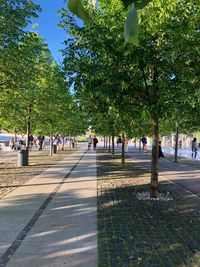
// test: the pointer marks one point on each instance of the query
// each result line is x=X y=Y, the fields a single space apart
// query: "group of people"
x=92 y=141
x=144 y=147
x=119 y=142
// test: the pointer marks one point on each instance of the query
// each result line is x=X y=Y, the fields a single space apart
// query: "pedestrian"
x=89 y=142
x=126 y=144
x=194 y=148
x=180 y=143
x=30 y=141
x=95 y=141
x=12 y=143
x=160 y=153
x=119 y=141
x=144 y=143
x=40 y=142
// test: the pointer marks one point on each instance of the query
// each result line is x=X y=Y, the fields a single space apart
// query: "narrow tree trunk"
x=104 y=141
x=113 y=145
x=109 y=146
x=27 y=139
x=154 y=159
x=140 y=144
x=63 y=142
x=51 y=144
x=176 y=144
x=123 y=151
x=15 y=137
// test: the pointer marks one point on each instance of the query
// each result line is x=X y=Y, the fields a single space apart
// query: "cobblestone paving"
x=133 y=232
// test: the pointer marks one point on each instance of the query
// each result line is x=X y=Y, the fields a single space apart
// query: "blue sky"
x=48 y=28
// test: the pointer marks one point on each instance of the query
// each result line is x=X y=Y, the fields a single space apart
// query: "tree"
x=14 y=17
x=146 y=73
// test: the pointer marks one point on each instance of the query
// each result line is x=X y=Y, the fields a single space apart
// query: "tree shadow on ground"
x=134 y=232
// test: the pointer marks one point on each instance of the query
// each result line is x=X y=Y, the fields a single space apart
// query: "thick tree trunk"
x=123 y=150
x=113 y=145
x=176 y=144
x=154 y=159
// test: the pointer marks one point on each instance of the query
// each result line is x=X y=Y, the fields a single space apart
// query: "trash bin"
x=54 y=149
x=22 y=157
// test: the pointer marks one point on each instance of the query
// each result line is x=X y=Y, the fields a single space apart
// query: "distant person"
x=12 y=143
x=40 y=142
x=180 y=143
x=194 y=148
x=119 y=141
x=43 y=139
x=95 y=141
x=30 y=141
x=160 y=153
x=126 y=144
x=144 y=143
x=89 y=142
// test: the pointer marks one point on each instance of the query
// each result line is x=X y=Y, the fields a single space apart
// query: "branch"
x=146 y=86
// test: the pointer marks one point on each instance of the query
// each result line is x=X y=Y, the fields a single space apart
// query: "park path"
x=51 y=219
x=184 y=175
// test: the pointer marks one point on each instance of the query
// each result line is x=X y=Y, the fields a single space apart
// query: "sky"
x=48 y=26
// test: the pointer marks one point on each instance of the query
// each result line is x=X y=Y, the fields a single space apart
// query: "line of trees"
x=34 y=94
x=151 y=82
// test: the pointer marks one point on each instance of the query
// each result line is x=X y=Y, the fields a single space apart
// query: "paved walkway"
x=182 y=174
x=51 y=220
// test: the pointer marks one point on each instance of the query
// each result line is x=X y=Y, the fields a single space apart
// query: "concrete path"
x=182 y=174
x=51 y=220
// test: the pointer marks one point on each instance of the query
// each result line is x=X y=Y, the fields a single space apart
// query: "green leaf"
x=131 y=26
x=77 y=8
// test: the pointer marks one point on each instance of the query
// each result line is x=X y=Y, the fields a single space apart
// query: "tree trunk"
x=154 y=159
x=63 y=142
x=51 y=144
x=113 y=145
x=135 y=140
x=109 y=146
x=123 y=151
x=139 y=144
x=176 y=144
x=27 y=140
x=104 y=141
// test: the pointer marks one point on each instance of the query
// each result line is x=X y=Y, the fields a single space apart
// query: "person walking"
x=119 y=141
x=160 y=153
x=194 y=148
x=12 y=143
x=144 y=143
x=126 y=144
x=95 y=141
x=89 y=142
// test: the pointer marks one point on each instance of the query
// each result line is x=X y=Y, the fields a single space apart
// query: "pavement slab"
x=58 y=232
